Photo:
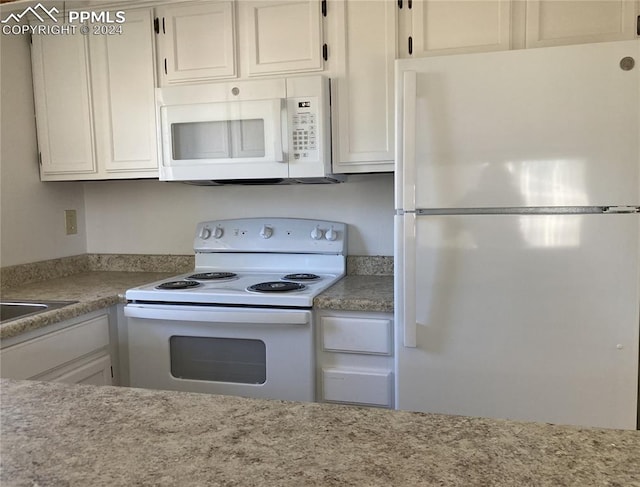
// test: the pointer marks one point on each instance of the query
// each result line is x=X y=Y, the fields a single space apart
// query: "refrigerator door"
x=533 y=127
x=527 y=317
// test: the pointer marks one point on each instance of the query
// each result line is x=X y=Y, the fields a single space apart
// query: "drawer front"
x=357 y=387
x=356 y=335
x=34 y=357
x=97 y=372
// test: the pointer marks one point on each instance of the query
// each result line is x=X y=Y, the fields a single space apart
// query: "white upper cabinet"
x=63 y=105
x=450 y=27
x=281 y=36
x=196 y=42
x=123 y=99
x=94 y=99
x=552 y=23
x=437 y=27
x=362 y=83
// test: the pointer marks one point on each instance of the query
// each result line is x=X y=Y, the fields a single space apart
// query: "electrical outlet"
x=71 y=222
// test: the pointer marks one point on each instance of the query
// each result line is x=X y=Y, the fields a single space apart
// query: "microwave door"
x=234 y=140
x=200 y=141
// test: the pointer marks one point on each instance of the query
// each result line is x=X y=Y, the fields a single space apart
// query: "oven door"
x=263 y=353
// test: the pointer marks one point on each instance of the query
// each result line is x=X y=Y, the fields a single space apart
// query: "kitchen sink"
x=12 y=310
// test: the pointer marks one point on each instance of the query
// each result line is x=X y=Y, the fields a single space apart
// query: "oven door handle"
x=216 y=315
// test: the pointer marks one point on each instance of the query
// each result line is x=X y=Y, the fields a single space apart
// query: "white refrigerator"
x=517 y=234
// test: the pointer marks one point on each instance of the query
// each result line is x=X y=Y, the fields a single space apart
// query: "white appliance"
x=275 y=130
x=241 y=323
x=517 y=276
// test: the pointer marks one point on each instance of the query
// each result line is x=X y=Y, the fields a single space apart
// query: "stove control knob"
x=317 y=233
x=331 y=234
x=218 y=232
x=266 y=231
x=205 y=233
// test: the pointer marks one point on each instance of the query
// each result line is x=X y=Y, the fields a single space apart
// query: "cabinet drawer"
x=97 y=372
x=357 y=387
x=356 y=335
x=41 y=354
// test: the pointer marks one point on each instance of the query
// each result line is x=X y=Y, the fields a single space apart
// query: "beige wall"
x=156 y=217
x=31 y=212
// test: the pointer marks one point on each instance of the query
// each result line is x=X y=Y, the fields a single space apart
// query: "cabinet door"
x=557 y=22
x=362 y=86
x=282 y=36
x=123 y=84
x=97 y=373
x=196 y=42
x=365 y=387
x=446 y=27
x=38 y=357
x=63 y=105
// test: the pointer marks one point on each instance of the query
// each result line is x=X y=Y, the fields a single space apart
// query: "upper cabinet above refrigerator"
x=436 y=27
x=460 y=26
x=553 y=23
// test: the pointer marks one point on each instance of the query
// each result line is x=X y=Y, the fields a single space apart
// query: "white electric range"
x=241 y=322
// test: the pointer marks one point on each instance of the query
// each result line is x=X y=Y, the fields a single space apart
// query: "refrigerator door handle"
x=409 y=280
x=621 y=209
x=408 y=164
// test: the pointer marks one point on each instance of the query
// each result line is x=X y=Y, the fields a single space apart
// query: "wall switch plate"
x=71 y=222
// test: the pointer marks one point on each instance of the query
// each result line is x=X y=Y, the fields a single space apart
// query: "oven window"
x=228 y=139
x=218 y=359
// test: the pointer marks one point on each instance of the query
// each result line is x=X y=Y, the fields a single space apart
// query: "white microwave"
x=263 y=131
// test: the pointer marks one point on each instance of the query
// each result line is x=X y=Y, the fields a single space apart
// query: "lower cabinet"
x=78 y=351
x=355 y=358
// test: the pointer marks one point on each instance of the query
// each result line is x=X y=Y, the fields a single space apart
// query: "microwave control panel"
x=304 y=136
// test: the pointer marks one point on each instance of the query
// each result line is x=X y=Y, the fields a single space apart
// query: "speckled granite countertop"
x=56 y=434
x=358 y=293
x=91 y=290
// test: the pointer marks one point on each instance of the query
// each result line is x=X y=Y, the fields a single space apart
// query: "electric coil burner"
x=213 y=276
x=276 y=287
x=234 y=325
x=301 y=277
x=181 y=284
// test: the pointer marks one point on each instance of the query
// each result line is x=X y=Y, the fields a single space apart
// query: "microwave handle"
x=278 y=154
x=279 y=105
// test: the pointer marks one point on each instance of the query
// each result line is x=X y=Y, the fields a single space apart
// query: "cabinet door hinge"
x=325 y=52
x=410 y=45
x=323 y=6
x=156 y=25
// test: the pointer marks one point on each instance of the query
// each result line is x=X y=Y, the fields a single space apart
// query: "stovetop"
x=256 y=262
x=237 y=290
